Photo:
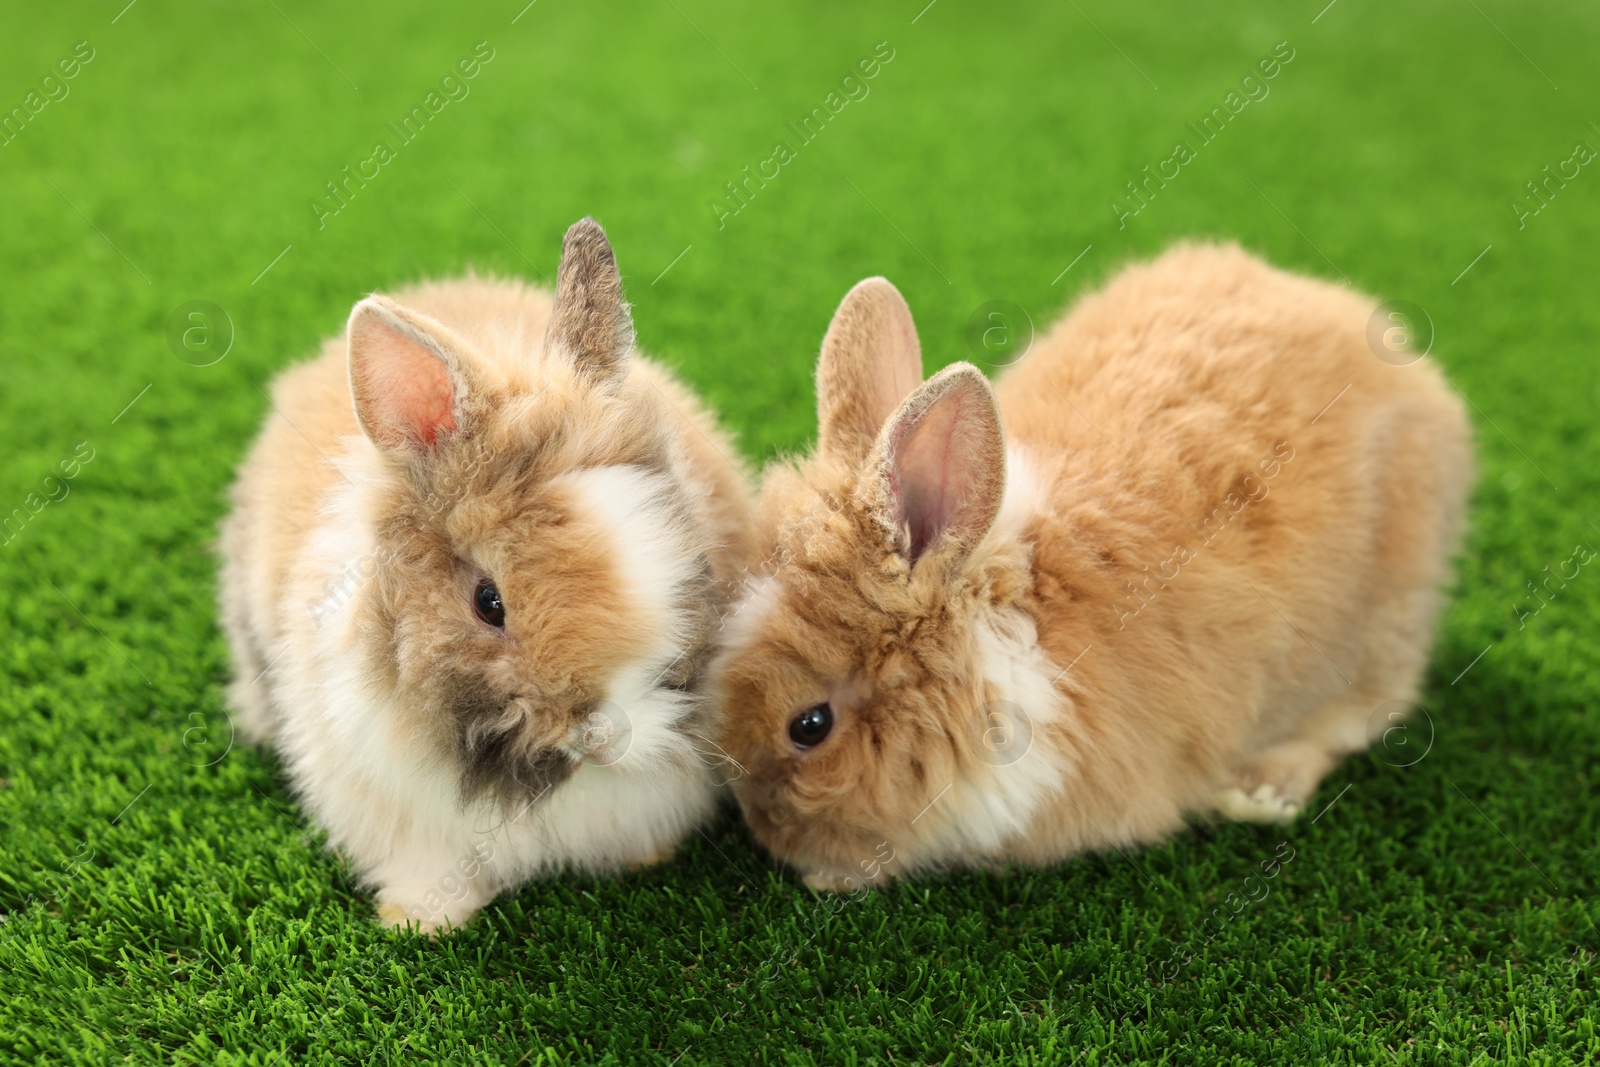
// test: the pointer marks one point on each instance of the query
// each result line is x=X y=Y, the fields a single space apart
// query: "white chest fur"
x=1021 y=762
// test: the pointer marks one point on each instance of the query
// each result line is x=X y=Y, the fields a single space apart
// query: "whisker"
x=720 y=756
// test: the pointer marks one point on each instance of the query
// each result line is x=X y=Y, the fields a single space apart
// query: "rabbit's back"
x=1191 y=361
x=1247 y=516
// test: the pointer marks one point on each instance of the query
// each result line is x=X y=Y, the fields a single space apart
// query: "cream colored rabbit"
x=471 y=580
x=1202 y=537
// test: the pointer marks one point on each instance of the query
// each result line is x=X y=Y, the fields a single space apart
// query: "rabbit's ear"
x=941 y=463
x=590 y=323
x=408 y=377
x=870 y=362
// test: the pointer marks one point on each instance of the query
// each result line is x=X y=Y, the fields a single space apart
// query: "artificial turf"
x=161 y=898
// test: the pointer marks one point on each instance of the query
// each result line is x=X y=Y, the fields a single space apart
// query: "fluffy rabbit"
x=1198 y=542
x=473 y=569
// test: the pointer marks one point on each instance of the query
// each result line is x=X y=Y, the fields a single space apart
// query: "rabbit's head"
x=539 y=592
x=852 y=687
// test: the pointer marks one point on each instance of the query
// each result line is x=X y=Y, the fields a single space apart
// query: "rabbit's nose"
x=602 y=735
x=536 y=724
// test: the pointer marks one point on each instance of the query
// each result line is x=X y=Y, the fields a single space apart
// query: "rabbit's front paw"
x=425 y=920
x=1262 y=804
x=400 y=917
x=659 y=856
x=1274 y=783
x=830 y=882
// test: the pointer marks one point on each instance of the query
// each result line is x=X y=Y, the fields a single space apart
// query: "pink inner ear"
x=947 y=461
x=933 y=473
x=403 y=388
x=422 y=405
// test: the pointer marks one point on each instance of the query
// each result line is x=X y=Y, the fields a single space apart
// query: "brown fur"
x=1146 y=416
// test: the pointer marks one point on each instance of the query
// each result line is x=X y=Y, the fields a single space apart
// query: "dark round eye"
x=811 y=726
x=486 y=602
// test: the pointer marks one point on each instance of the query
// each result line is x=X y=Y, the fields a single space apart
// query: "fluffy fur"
x=482 y=430
x=1171 y=564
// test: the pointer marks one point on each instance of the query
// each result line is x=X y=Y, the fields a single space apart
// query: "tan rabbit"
x=1202 y=537
x=470 y=581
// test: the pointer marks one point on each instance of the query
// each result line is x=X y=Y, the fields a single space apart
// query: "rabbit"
x=471 y=577
x=1171 y=564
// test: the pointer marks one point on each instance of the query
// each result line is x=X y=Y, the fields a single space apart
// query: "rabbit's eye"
x=811 y=726
x=486 y=602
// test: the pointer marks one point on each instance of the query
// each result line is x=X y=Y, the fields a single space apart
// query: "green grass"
x=162 y=901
